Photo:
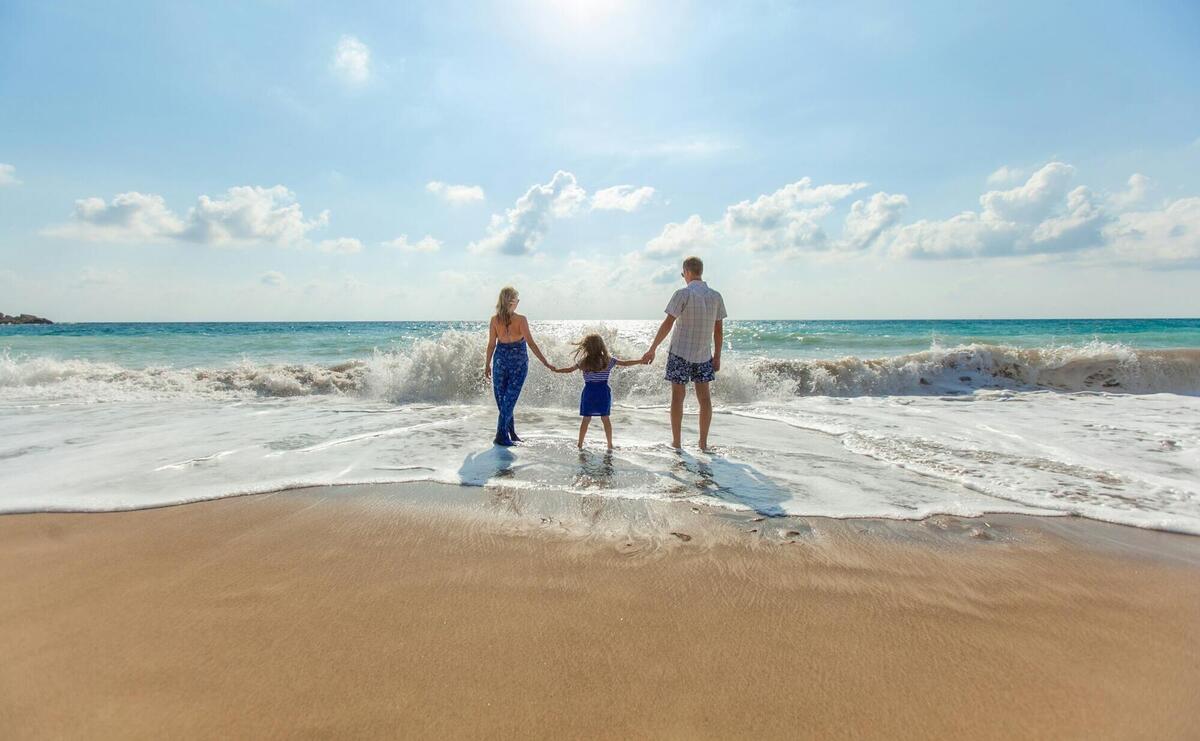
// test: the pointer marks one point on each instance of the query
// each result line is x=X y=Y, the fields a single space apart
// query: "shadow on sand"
x=731 y=481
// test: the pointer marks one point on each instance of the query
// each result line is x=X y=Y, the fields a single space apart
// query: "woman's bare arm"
x=533 y=346
x=487 y=364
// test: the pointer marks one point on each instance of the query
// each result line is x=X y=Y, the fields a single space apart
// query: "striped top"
x=600 y=376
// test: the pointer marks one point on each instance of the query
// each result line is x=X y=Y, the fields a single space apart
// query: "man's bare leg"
x=678 y=391
x=705 y=400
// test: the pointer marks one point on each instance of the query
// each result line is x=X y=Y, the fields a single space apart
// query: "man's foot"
x=504 y=441
x=676 y=445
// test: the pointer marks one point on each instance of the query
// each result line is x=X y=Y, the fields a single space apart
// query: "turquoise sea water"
x=1099 y=417
x=139 y=345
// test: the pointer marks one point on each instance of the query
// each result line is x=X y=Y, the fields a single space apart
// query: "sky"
x=280 y=160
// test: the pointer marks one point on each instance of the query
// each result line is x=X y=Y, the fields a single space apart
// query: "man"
x=696 y=312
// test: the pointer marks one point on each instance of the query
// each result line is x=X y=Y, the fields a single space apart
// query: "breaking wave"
x=449 y=369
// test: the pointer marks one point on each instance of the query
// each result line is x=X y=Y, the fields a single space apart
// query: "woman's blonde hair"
x=504 y=312
x=591 y=353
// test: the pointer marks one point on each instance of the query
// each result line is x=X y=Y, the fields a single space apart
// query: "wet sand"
x=419 y=610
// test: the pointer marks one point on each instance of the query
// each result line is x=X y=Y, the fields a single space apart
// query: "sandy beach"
x=426 y=610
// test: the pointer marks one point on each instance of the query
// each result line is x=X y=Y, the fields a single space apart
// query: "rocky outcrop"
x=23 y=319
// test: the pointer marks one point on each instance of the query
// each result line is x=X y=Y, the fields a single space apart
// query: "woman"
x=508 y=334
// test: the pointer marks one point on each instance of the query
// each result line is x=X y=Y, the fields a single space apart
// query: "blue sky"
x=291 y=160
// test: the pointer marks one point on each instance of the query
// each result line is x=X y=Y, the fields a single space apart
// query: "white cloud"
x=425 y=244
x=665 y=275
x=352 y=61
x=868 y=220
x=1005 y=175
x=1042 y=217
x=1078 y=228
x=250 y=214
x=788 y=218
x=1020 y=220
x=1164 y=236
x=272 y=278
x=964 y=235
x=244 y=215
x=523 y=226
x=683 y=239
x=1032 y=201
x=622 y=198
x=340 y=246
x=129 y=217
x=8 y=175
x=1135 y=192
x=456 y=194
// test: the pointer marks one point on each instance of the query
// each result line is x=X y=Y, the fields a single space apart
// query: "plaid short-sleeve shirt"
x=696 y=309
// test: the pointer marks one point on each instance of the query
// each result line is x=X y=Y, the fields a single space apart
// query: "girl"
x=591 y=357
x=508 y=334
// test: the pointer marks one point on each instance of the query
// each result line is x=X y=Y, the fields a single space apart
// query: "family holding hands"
x=695 y=316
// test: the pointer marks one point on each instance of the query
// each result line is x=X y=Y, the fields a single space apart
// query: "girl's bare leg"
x=607 y=431
x=583 y=425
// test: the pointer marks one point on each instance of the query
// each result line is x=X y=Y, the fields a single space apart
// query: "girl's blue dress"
x=596 y=399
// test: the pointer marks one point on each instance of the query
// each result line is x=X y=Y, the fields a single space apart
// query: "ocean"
x=900 y=419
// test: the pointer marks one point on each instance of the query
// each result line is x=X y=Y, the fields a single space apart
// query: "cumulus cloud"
x=352 y=61
x=964 y=235
x=129 y=217
x=1019 y=220
x=691 y=236
x=1046 y=216
x=425 y=244
x=868 y=220
x=1170 y=235
x=788 y=218
x=1005 y=175
x=272 y=278
x=1032 y=201
x=1079 y=227
x=622 y=198
x=1135 y=192
x=8 y=175
x=519 y=230
x=243 y=215
x=456 y=194
x=250 y=214
x=340 y=246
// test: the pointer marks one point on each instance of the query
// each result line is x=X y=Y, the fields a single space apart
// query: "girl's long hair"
x=504 y=312
x=591 y=354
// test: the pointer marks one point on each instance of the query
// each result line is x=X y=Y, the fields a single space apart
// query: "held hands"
x=648 y=358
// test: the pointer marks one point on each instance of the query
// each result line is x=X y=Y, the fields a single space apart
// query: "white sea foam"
x=1098 y=430
x=450 y=370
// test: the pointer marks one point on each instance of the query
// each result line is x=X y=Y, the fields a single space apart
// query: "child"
x=591 y=357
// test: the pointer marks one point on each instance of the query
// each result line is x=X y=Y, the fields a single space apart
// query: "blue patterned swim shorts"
x=681 y=371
